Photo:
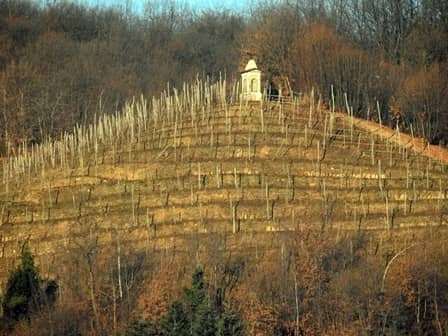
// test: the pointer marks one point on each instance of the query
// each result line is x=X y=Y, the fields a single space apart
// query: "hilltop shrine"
x=251 y=82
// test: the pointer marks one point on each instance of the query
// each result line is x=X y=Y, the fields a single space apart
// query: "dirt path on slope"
x=419 y=145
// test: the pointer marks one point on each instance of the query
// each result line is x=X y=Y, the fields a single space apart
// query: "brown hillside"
x=200 y=162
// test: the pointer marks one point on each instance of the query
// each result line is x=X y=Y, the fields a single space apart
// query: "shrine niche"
x=251 y=82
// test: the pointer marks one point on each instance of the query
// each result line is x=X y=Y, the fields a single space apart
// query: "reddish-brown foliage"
x=422 y=100
x=158 y=294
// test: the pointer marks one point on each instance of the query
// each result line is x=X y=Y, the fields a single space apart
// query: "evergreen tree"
x=229 y=324
x=142 y=328
x=203 y=321
x=201 y=316
x=195 y=295
x=175 y=323
x=194 y=316
x=24 y=293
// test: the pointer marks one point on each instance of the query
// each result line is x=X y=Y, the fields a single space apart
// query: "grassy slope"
x=244 y=170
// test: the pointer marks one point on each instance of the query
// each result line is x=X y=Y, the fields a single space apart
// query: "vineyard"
x=165 y=173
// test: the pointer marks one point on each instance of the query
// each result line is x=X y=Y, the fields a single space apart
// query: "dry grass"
x=201 y=162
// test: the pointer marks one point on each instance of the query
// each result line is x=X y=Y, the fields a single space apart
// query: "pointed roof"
x=251 y=65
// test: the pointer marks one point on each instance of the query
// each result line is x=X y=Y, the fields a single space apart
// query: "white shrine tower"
x=251 y=82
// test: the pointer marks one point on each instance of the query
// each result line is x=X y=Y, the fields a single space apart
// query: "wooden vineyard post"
x=5 y=219
x=390 y=146
x=388 y=223
x=379 y=113
x=380 y=183
x=324 y=137
x=211 y=148
x=414 y=196
x=262 y=117
x=192 y=199
x=407 y=175
x=235 y=220
x=268 y=212
x=405 y=200
x=318 y=151
x=249 y=154
x=332 y=99
x=306 y=137
x=291 y=186
x=355 y=216
x=359 y=143
x=310 y=116
x=218 y=177
x=150 y=223
x=199 y=176
x=235 y=176
x=134 y=222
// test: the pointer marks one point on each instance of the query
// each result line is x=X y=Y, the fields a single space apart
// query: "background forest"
x=63 y=63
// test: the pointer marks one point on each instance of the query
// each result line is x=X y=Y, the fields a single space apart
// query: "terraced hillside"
x=200 y=161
